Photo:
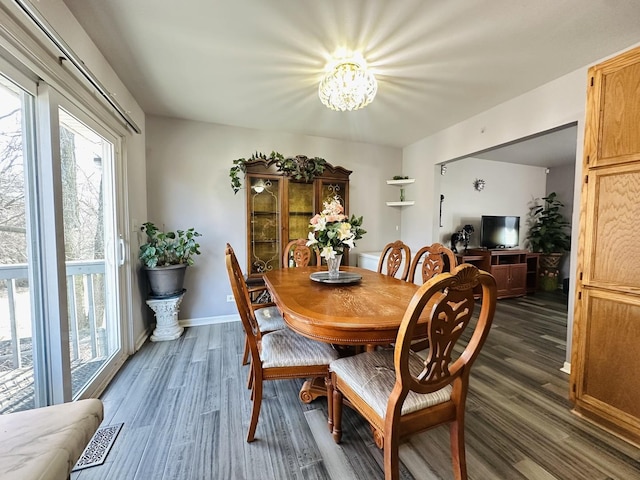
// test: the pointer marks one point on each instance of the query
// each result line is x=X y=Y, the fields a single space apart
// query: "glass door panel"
x=90 y=238
x=301 y=209
x=264 y=198
x=18 y=381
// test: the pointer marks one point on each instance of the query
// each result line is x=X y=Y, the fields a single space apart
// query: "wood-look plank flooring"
x=186 y=409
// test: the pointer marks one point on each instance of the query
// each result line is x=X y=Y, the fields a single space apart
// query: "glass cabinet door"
x=264 y=224
x=332 y=189
x=301 y=209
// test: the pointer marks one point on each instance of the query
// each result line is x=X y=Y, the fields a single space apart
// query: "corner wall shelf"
x=400 y=204
x=404 y=181
x=401 y=183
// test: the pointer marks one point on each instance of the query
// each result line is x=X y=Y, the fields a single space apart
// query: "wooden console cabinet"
x=515 y=271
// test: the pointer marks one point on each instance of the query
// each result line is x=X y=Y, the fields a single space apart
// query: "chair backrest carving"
x=436 y=259
x=297 y=252
x=450 y=299
x=392 y=257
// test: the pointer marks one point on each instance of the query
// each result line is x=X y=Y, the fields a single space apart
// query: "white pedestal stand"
x=166 y=312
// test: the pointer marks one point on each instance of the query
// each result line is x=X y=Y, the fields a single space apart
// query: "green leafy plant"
x=301 y=167
x=399 y=177
x=298 y=167
x=240 y=165
x=168 y=248
x=548 y=229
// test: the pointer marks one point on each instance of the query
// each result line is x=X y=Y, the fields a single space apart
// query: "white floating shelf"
x=400 y=204
x=404 y=181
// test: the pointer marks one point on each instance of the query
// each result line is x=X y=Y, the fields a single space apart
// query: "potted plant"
x=548 y=235
x=166 y=256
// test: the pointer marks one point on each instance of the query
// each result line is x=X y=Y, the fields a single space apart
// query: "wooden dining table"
x=365 y=313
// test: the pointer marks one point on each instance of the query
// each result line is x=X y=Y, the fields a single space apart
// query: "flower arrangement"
x=332 y=230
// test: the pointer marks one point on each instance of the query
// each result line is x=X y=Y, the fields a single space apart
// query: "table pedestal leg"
x=312 y=389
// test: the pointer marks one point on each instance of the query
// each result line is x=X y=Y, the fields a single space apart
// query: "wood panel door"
x=605 y=384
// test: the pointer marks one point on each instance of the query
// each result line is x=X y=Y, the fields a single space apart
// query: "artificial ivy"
x=298 y=167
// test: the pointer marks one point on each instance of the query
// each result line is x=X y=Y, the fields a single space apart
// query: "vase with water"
x=334 y=265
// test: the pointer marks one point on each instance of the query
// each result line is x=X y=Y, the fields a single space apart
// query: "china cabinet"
x=279 y=208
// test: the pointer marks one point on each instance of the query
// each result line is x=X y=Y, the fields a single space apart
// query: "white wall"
x=188 y=185
x=508 y=191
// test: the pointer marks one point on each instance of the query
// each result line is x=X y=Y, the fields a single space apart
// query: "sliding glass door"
x=18 y=380
x=90 y=234
x=61 y=328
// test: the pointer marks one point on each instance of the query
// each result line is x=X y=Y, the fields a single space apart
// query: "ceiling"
x=257 y=63
x=549 y=149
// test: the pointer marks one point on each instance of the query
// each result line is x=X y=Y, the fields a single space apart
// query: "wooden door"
x=501 y=274
x=605 y=384
x=518 y=279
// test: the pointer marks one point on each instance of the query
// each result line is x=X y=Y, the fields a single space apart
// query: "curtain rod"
x=62 y=46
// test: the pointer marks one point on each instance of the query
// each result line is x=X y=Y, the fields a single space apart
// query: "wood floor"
x=186 y=409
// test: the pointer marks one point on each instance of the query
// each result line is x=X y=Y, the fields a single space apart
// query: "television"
x=499 y=231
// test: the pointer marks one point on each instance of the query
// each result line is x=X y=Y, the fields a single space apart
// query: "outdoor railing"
x=82 y=273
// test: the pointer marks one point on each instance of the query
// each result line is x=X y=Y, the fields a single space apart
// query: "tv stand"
x=515 y=271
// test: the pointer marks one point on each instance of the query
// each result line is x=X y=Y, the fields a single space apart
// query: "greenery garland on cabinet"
x=299 y=167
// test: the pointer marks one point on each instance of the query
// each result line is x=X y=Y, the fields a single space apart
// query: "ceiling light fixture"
x=347 y=85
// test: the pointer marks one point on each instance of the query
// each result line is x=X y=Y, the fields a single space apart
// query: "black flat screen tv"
x=499 y=231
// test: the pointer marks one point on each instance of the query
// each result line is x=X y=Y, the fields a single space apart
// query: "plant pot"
x=166 y=282
x=549 y=270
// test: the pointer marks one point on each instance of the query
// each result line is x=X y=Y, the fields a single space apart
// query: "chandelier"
x=347 y=85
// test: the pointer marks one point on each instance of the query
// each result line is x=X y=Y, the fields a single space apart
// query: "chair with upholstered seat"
x=267 y=315
x=393 y=256
x=400 y=392
x=431 y=260
x=282 y=354
x=297 y=254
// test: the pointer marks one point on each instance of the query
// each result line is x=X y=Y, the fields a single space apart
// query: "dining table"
x=362 y=308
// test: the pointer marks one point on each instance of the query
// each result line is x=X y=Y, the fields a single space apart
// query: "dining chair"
x=401 y=393
x=266 y=314
x=297 y=254
x=432 y=259
x=393 y=256
x=281 y=354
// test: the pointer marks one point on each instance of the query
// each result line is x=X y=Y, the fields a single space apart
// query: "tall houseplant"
x=548 y=235
x=166 y=256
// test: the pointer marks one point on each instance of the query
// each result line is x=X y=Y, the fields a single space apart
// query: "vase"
x=334 y=266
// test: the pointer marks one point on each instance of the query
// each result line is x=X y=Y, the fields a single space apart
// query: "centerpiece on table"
x=332 y=231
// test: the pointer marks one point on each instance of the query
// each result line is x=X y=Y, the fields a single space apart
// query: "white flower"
x=312 y=240
x=328 y=252
x=349 y=241
x=321 y=225
x=344 y=231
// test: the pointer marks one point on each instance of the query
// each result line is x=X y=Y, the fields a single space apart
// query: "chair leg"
x=245 y=354
x=458 y=456
x=327 y=382
x=250 y=378
x=391 y=455
x=337 y=415
x=256 y=393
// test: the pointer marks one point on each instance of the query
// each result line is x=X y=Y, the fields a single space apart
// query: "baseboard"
x=194 y=322
x=146 y=333
x=566 y=368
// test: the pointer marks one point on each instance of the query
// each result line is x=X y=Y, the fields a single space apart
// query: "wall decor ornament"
x=478 y=184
